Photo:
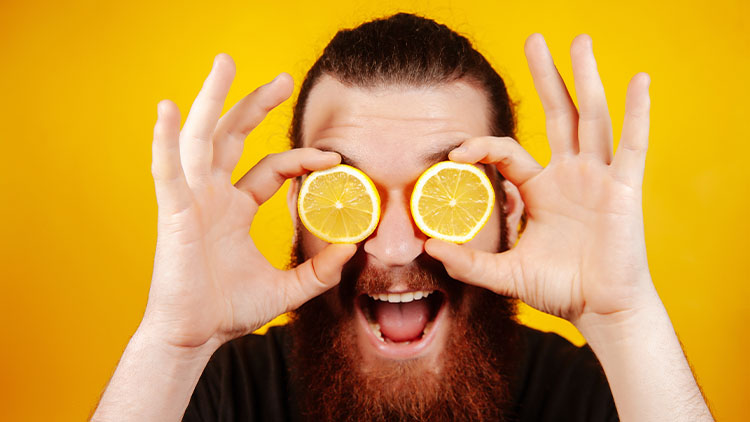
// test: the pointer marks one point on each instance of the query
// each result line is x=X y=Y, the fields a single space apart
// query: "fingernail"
x=274 y=79
x=460 y=150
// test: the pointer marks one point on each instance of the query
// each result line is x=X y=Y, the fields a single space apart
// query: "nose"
x=397 y=241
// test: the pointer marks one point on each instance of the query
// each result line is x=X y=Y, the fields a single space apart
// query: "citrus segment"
x=452 y=201
x=339 y=205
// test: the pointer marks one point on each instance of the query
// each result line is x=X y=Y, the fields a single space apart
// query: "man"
x=392 y=97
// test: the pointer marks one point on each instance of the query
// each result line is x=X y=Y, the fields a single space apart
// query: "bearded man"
x=391 y=97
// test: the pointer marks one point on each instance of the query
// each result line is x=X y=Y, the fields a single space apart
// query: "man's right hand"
x=210 y=283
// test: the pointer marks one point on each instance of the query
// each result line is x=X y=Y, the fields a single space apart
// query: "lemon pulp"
x=452 y=201
x=339 y=205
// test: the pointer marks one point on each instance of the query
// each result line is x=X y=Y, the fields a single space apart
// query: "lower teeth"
x=375 y=327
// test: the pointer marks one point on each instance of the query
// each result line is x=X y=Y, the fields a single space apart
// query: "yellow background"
x=79 y=83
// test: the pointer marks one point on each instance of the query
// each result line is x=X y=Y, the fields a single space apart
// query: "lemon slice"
x=452 y=201
x=339 y=205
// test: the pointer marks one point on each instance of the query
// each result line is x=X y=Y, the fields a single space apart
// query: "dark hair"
x=410 y=50
x=405 y=49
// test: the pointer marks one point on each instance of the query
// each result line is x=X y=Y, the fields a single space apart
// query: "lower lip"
x=402 y=350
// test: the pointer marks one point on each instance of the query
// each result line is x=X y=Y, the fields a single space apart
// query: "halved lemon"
x=339 y=204
x=452 y=201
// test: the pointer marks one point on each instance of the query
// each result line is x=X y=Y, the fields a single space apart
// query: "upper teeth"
x=401 y=297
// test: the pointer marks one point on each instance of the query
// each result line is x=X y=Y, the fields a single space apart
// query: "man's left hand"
x=583 y=250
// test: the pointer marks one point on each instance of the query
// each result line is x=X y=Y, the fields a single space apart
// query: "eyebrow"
x=428 y=158
x=439 y=155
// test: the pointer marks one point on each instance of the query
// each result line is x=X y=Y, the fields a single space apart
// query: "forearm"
x=645 y=365
x=152 y=382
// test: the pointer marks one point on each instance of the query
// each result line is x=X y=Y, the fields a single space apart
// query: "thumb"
x=317 y=275
x=491 y=271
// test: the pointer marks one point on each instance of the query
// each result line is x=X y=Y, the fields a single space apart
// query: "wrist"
x=643 y=360
x=157 y=340
x=628 y=313
x=153 y=381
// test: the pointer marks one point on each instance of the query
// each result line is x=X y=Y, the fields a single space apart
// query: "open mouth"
x=401 y=325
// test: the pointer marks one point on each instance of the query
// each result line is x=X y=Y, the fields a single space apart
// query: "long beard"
x=470 y=382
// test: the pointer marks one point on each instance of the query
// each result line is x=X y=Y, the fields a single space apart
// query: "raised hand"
x=583 y=251
x=210 y=282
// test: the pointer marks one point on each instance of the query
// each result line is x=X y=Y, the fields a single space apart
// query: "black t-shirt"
x=247 y=380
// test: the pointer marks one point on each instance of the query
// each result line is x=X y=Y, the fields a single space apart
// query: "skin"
x=582 y=256
x=394 y=135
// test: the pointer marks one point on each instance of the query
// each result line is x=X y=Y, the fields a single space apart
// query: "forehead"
x=393 y=128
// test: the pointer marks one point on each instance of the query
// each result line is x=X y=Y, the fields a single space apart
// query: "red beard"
x=471 y=382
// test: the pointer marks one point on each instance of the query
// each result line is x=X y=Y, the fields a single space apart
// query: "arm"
x=583 y=254
x=644 y=363
x=210 y=283
x=152 y=382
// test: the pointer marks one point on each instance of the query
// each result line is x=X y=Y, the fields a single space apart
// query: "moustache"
x=360 y=277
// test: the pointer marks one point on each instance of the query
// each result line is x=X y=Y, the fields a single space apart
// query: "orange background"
x=80 y=81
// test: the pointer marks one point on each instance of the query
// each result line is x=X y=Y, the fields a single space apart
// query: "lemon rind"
x=374 y=196
x=430 y=172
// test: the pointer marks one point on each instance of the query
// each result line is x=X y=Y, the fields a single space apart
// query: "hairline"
x=470 y=80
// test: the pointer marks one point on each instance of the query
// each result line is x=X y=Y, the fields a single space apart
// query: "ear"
x=291 y=200
x=513 y=210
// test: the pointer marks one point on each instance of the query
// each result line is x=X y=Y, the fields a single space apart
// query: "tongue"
x=402 y=321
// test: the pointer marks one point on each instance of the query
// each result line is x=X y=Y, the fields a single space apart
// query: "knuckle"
x=193 y=138
x=451 y=270
x=507 y=140
x=305 y=281
x=640 y=112
x=504 y=161
x=267 y=160
x=305 y=152
x=480 y=268
x=592 y=114
x=160 y=174
x=265 y=107
x=259 y=102
x=317 y=277
x=476 y=142
x=196 y=169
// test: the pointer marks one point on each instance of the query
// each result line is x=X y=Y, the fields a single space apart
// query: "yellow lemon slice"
x=339 y=205
x=452 y=201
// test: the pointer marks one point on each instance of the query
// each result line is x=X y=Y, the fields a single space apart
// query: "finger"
x=630 y=161
x=263 y=180
x=196 y=135
x=594 y=124
x=237 y=123
x=316 y=275
x=559 y=111
x=510 y=158
x=172 y=193
x=484 y=269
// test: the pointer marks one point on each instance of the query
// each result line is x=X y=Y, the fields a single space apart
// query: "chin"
x=403 y=344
